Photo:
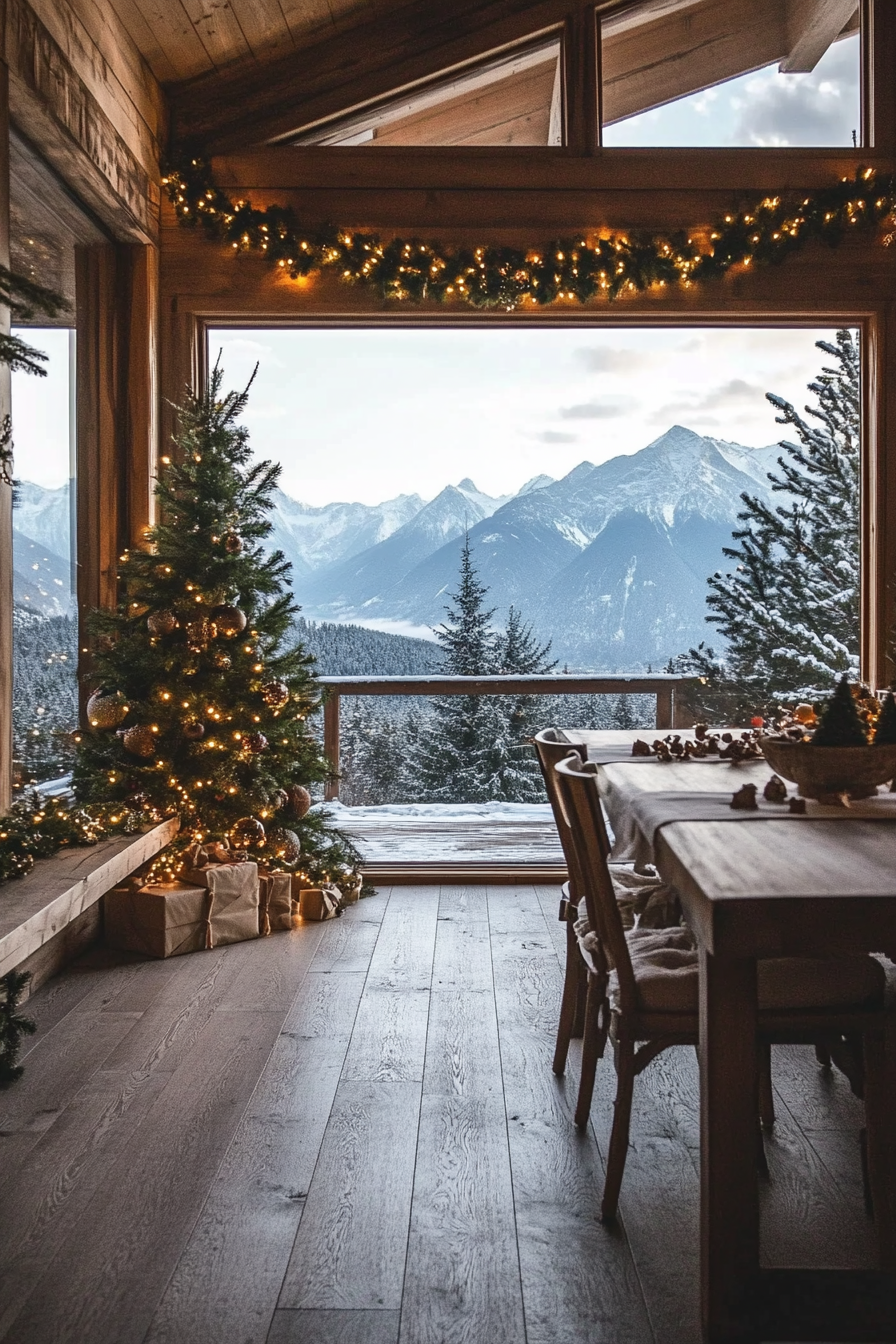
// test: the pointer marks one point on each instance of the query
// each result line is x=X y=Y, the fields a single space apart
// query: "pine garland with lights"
x=607 y=265
x=37 y=827
x=201 y=704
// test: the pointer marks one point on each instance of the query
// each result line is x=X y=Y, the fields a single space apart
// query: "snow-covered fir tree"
x=789 y=609
x=475 y=748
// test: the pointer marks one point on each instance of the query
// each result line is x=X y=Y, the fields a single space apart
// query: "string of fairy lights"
x=607 y=265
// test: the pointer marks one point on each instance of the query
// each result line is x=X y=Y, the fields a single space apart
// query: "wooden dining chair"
x=639 y=899
x=652 y=990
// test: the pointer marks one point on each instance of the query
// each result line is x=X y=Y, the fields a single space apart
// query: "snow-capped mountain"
x=361 y=583
x=312 y=536
x=611 y=561
x=43 y=515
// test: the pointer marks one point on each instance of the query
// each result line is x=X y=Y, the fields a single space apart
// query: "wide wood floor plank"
x=462 y=1284
x=346 y=945
x=402 y=958
x=271 y=969
x=56 y=1181
x=463 y=957
x=579 y=1279
x=389 y=1040
x=352 y=1240
x=227 y=1281
x=463 y=903
x=515 y=910
x=64 y=1061
x=106 y=1281
x=549 y=900
x=334 y=1327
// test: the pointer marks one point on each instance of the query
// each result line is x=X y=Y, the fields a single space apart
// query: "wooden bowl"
x=817 y=771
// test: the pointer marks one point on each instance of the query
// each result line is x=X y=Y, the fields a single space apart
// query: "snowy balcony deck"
x=464 y=835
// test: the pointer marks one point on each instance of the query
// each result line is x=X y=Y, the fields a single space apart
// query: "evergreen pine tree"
x=789 y=610
x=13 y=1026
x=508 y=760
x=194 y=667
x=446 y=764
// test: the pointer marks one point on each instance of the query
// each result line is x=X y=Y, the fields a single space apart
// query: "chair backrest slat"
x=580 y=802
x=550 y=748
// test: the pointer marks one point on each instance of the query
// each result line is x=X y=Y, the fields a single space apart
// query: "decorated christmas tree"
x=203 y=700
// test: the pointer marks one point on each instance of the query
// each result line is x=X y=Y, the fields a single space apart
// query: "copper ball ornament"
x=255 y=742
x=275 y=694
x=229 y=621
x=298 y=800
x=279 y=798
x=106 y=709
x=139 y=741
x=221 y=660
x=247 y=833
x=285 y=845
x=233 y=543
x=194 y=729
x=160 y=623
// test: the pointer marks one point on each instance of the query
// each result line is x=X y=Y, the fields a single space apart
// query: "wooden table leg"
x=729 y=1214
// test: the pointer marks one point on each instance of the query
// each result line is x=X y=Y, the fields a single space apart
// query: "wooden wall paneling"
x=166 y=38
x=6 y=558
x=879 y=40
x=75 y=133
x=107 y=61
x=117 y=399
x=140 y=295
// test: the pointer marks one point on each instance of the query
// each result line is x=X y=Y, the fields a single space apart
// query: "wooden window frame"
x=876 y=325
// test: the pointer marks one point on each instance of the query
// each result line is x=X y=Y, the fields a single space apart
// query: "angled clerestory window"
x=771 y=73
x=513 y=98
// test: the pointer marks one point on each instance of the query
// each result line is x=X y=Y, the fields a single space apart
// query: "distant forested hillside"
x=353 y=651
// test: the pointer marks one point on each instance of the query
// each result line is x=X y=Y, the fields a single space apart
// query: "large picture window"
x=45 y=640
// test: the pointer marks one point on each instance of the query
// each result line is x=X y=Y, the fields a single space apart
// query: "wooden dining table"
x=766 y=885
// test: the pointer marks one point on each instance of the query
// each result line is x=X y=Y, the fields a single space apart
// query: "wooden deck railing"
x=662 y=685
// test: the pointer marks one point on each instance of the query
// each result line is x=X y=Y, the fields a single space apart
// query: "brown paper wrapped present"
x=170 y=918
x=274 y=902
x=319 y=903
x=162 y=920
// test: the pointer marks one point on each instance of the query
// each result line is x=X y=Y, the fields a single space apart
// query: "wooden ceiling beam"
x=812 y=27
x=338 y=75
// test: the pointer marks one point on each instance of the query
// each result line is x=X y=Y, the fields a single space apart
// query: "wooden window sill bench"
x=51 y=915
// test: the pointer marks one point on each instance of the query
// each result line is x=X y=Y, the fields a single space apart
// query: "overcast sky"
x=367 y=415
x=765 y=108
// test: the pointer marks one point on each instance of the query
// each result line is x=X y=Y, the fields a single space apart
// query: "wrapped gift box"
x=274 y=902
x=170 y=918
x=319 y=903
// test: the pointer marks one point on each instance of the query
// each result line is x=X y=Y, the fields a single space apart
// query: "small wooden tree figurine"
x=841 y=724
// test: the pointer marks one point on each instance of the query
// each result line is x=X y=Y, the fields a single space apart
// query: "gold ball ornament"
x=255 y=742
x=229 y=621
x=298 y=800
x=139 y=741
x=275 y=694
x=194 y=730
x=279 y=798
x=160 y=623
x=233 y=543
x=106 y=709
x=221 y=660
x=247 y=833
x=284 y=845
